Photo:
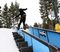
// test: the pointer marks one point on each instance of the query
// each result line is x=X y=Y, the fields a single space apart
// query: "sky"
x=32 y=12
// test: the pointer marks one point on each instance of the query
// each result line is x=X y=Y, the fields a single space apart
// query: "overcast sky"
x=33 y=14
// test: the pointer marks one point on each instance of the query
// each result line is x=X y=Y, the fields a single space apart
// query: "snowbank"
x=7 y=43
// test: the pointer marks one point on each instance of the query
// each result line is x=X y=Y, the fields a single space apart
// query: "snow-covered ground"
x=7 y=43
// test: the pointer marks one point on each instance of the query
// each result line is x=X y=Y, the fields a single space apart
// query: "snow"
x=7 y=43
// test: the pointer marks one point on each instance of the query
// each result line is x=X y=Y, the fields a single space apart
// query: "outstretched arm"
x=24 y=9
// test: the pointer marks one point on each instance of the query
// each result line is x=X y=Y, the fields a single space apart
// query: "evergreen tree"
x=0 y=18
x=5 y=15
x=14 y=11
x=45 y=7
x=0 y=23
x=35 y=24
x=9 y=14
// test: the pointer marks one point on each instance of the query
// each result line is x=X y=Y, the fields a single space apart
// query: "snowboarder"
x=23 y=18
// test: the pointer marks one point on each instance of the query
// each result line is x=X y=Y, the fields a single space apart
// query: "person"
x=23 y=17
x=57 y=26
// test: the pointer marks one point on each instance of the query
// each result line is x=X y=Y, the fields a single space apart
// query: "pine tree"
x=0 y=18
x=14 y=11
x=45 y=7
x=8 y=14
x=35 y=24
x=5 y=15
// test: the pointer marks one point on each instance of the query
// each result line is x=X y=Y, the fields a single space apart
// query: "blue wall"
x=51 y=37
x=39 y=47
x=36 y=45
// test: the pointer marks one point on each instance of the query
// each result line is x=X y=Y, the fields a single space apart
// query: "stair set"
x=21 y=43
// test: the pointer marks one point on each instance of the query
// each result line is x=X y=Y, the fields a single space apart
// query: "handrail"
x=38 y=39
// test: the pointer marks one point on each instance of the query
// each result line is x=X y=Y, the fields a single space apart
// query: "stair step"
x=22 y=44
x=26 y=49
x=15 y=33
x=20 y=40
x=18 y=37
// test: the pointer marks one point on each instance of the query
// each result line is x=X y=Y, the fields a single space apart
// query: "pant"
x=22 y=21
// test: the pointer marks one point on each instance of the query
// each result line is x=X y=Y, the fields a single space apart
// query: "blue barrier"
x=31 y=30
x=36 y=32
x=28 y=39
x=39 y=47
x=37 y=44
x=51 y=37
x=54 y=38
